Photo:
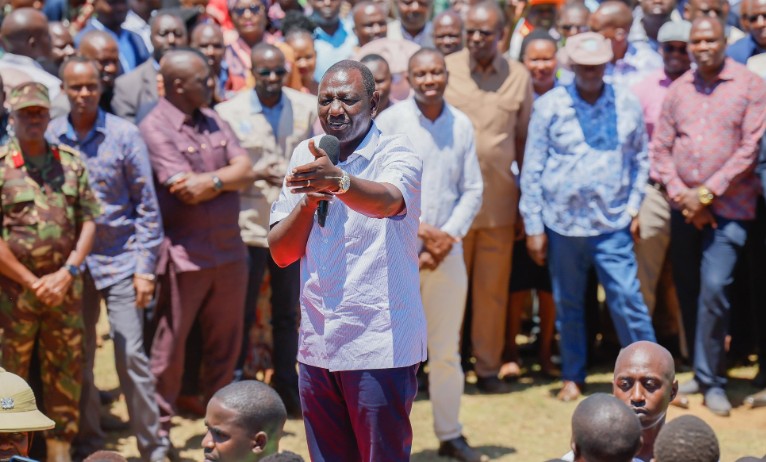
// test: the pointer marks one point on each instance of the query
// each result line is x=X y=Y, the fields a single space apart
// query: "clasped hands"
x=52 y=288
x=317 y=179
x=193 y=188
x=693 y=210
x=437 y=244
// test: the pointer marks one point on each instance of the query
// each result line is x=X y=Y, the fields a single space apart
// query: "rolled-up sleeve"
x=404 y=169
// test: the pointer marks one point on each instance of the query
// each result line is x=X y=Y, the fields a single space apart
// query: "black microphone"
x=331 y=146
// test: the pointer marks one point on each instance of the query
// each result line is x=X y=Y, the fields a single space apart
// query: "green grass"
x=526 y=425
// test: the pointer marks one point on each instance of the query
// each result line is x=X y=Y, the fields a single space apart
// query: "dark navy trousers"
x=358 y=416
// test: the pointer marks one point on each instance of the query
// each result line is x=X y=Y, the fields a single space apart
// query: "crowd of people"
x=493 y=163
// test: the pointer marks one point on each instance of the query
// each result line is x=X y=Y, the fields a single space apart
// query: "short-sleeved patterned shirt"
x=42 y=206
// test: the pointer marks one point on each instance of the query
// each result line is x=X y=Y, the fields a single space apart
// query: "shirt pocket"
x=219 y=149
x=19 y=206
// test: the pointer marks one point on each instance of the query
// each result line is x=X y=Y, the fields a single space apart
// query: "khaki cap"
x=29 y=94
x=18 y=410
x=589 y=49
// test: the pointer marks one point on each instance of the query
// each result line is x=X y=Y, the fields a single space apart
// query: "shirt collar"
x=99 y=126
x=100 y=26
x=419 y=113
x=257 y=108
x=368 y=145
x=607 y=96
x=338 y=37
x=727 y=73
x=174 y=115
x=494 y=67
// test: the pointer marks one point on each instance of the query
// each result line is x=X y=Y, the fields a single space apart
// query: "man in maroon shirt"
x=199 y=168
x=704 y=149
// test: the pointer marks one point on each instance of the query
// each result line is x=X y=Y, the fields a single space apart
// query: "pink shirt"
x=207 y=234
x=707 y=134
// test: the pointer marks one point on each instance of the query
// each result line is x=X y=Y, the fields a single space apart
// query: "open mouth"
x=337 y=125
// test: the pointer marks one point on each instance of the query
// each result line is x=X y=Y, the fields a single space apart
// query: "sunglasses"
x=267 y=72
x=668 y=48
x=254 y=8
x=755 y=17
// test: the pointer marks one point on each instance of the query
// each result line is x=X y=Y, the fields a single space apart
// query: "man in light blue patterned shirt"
x=582 y=183
x=121 y=266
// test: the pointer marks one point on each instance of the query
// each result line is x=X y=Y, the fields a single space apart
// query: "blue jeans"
x=703 y=269
x=569 y=261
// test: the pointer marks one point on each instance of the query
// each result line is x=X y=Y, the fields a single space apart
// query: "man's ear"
x=575 y=450
x=374 y=100
x=259 y=442
x=621 y=34
x=674 y=390
x=178 y=86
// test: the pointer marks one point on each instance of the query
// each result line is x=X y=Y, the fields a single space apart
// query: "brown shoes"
x=570 y=391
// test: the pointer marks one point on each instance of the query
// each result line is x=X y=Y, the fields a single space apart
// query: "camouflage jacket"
x=42 y=209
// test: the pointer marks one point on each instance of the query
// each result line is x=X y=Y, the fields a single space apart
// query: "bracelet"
x=145 y=276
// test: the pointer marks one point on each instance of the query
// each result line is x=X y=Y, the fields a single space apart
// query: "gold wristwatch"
x=705 y=195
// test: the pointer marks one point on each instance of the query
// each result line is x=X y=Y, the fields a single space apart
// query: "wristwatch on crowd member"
x=72 y=269
x=705 y=195
x=217 y=183
x=632 y=212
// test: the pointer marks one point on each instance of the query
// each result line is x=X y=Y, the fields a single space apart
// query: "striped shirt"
x=360 y=286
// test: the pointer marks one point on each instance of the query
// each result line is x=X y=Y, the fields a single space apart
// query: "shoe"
x=58 y=450
x=690 y=387
x=717 y=402
x=756 y=400
x=459 y=449
x=492 y=386
x=570 y=391
x=190 y=404
x=510 y=371
x=681 y=401
x=112 y=424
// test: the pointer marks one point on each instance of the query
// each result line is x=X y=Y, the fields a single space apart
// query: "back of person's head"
x=604 y=429
x=686 y=439
x=259 y=407
x=284 y=456
x=105 y=456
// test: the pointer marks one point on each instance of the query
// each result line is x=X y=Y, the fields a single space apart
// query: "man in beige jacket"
x=270 y=120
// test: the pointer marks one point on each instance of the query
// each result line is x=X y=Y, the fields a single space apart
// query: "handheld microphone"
x=330 y=145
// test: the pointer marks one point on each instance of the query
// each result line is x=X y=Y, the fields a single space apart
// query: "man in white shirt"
x=363 y=331
x=451 y=197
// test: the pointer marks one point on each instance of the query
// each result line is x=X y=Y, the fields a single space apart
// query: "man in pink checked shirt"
x=704 y=149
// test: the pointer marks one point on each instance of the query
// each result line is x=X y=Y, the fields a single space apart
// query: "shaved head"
x=25 y=32
x=95 y=40
x=612 y=13
x=448 y=17
x=605 y=430
x=642 y=352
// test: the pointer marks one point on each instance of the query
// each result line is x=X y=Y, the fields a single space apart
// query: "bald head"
x=25 y=32
x=186 y=77
x=448 y=32
x=93 y=41
x=487 y=11
x=612 y=14
x=657 y=357
x=447 y=18
x=605 y=430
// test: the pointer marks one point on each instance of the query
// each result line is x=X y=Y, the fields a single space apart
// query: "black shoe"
x=492 y=386
x=459 y=449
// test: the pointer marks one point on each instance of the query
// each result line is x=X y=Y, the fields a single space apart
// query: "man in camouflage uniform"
x=46 y=220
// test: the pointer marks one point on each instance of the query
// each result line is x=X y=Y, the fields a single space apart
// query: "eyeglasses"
x=482 y=33
x=755 y=17
x=577 y=27
x=254 y=9
x=267 y=72
x=668 y=48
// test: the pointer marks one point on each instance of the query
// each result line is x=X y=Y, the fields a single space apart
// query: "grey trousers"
x=136 y=379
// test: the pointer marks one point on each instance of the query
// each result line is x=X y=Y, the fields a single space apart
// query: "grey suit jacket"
x=134 y=90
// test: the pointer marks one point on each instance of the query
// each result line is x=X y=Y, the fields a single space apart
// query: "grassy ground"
x=527 y=425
